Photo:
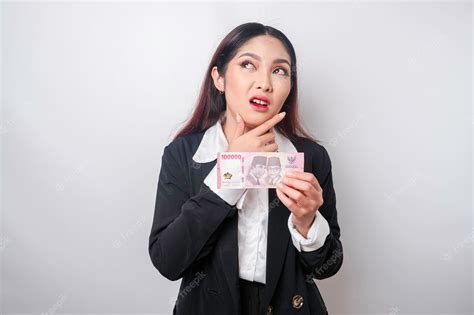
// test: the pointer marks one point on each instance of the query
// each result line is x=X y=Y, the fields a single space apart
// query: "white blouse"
x=252 y=205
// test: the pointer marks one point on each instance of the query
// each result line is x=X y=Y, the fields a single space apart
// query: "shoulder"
x=315 y=152
x=184 y=146
x=309 y=146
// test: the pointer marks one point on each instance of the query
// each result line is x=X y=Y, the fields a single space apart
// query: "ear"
x=218 y=80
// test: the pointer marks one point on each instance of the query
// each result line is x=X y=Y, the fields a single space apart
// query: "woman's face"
x=260 y=68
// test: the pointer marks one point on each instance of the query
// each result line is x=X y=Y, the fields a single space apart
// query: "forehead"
x=267 y=47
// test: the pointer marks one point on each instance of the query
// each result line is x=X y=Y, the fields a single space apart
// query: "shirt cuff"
x=229 y=195
x=317 y=234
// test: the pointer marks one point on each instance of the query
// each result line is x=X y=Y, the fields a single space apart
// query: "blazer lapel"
x=277 y=242
x=229 y=256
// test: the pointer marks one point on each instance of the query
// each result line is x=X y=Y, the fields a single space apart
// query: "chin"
x=256 y=119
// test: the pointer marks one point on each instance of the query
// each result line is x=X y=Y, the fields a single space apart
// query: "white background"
x=92 y=92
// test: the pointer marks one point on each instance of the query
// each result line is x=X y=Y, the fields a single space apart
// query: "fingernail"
x=282 y=114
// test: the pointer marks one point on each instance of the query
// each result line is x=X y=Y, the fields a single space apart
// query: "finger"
x=267 y=125
x=268 y=137
x=294 y=194
x=271 y=147
x=303 y=186
x=290 y=204
x=240 y=126
x=306 y=176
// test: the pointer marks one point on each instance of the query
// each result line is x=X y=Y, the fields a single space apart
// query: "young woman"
x=246 y=251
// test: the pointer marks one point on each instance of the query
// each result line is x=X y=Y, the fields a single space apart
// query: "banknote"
x=256 y=169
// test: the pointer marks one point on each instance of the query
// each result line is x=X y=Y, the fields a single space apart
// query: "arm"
x=317 y=233
x=326 y=260
x=231 y=196
x=185 y=228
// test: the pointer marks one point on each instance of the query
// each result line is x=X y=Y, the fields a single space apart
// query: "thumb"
x=240 y=126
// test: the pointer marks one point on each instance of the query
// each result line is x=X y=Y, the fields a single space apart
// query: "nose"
x=265 y=83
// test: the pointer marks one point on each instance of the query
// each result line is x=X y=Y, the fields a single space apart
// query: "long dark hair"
x=211 y=103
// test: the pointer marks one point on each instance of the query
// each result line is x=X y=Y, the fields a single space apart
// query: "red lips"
x=261 y=98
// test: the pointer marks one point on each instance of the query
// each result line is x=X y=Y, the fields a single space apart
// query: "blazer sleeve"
x=325 y=261
x=185 y=228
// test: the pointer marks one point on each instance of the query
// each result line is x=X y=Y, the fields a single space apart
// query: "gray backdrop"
x=92 y=92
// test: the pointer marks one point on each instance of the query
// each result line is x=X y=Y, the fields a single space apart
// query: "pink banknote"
x=255 y=169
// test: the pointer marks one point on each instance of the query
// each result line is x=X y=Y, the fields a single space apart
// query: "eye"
x=244 y=64
x=285 y=73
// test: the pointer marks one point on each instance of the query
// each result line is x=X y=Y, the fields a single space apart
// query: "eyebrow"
x=278 y=60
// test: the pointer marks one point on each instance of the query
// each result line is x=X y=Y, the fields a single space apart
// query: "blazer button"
x=297 y=301
x=270 y=310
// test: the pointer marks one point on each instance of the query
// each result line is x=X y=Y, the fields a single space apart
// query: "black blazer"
x=194 y=237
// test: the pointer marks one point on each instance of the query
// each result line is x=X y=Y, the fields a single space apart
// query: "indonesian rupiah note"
x=256 y=169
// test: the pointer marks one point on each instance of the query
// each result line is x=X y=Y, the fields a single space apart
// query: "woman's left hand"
x=301 y=193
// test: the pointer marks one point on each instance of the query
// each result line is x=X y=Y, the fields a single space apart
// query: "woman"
x=246 y=251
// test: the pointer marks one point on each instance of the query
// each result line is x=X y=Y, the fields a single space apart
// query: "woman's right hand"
x=259 y=139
